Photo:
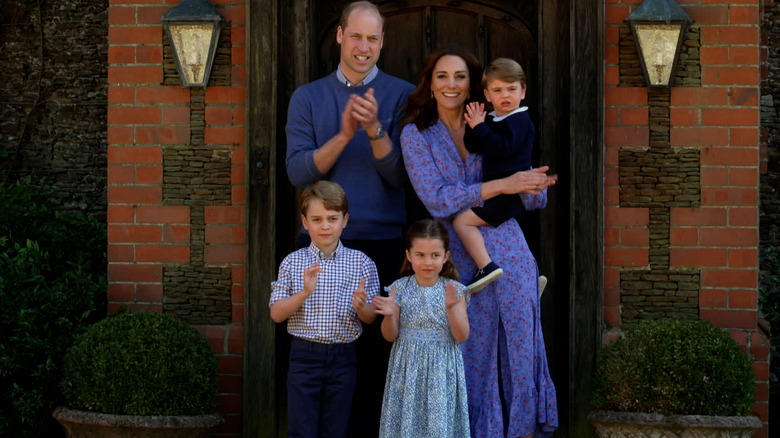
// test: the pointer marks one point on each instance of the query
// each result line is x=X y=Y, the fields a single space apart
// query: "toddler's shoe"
x=485 y=276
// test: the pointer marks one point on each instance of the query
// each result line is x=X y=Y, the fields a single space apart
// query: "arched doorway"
x=558 y=44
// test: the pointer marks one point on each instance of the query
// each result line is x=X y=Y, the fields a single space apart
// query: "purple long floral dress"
x=503 y=317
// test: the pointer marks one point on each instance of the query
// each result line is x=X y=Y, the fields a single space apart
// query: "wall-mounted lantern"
x=193 y=28
x=659 y=28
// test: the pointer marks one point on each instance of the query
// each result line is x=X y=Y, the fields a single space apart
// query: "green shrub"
x=683 y=367
x=52 y=285
x=141 y=364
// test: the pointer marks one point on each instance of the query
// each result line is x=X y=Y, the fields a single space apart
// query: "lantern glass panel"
x=658 y=43
x=191 y=42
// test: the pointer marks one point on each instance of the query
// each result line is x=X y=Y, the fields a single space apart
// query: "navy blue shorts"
x=496 y=211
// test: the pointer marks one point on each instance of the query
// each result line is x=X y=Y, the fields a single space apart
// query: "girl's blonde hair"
x=429 y=228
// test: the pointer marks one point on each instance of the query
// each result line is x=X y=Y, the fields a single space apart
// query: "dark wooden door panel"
x=403 y=33
x=453 y=26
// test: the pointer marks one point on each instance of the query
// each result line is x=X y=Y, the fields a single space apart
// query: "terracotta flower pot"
x=611 y=424
x=83 y=424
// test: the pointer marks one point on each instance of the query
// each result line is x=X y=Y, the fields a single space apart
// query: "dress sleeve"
x=439 y=182
x=399 y=290
x=534 y=202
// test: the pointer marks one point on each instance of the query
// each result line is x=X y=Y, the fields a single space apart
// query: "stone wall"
x=53 y=97
x=769 y=214
x=770 y=128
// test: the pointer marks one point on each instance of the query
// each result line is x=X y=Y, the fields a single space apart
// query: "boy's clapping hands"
x=365 y=311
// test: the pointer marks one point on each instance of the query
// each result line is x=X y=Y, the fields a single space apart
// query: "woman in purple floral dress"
x=510 y=393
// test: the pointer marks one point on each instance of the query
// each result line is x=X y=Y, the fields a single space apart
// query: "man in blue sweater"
x=345 y=128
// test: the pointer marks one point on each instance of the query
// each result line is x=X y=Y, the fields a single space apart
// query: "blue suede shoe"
x=484 y=276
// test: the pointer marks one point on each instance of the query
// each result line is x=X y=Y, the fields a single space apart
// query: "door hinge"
x=260 y=167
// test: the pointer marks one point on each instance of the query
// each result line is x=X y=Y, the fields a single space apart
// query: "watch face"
x=380 y=132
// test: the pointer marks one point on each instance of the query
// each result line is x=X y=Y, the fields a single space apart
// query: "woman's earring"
x=431 y=93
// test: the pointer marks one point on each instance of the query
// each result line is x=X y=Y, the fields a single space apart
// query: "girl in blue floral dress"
x=425 y=317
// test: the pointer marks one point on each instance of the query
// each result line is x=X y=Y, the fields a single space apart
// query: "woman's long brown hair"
x=420 y=107
x=429 y=228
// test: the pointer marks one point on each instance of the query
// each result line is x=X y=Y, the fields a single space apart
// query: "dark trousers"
x=373 y=352
x=320 y=384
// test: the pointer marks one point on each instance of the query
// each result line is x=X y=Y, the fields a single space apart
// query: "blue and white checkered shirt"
x=327 y=315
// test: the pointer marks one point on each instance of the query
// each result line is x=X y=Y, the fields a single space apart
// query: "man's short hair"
x=329 y=193
x=355 y=6
x=503 y=69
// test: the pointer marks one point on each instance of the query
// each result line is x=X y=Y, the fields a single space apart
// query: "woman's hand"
x=528 y=181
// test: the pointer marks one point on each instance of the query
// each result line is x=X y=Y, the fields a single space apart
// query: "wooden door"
x=558 y=45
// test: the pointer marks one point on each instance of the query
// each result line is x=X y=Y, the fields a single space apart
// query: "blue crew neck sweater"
x=374 y=188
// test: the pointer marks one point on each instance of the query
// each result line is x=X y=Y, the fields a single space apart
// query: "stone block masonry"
x=197 y=175
x=659 y=178
x=53 y=98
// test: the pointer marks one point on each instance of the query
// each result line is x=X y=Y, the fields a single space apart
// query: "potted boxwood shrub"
x=139 y=374
x=673 y=378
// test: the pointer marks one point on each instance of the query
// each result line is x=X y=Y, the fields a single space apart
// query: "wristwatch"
x=380 y=132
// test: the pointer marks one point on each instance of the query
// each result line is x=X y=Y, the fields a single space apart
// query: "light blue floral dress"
x=425 y=391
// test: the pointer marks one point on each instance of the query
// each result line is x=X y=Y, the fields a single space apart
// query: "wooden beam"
x=260 y=410
x=587 y=204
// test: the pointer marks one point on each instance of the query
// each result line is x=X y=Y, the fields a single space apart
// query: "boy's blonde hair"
x=503 y=69
x=330 y=193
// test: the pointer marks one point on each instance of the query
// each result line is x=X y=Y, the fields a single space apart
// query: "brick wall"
x=176 y=189
x=682 y=180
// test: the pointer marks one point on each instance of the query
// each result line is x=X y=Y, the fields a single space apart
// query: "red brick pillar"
x=157 y=232
x=709 y=126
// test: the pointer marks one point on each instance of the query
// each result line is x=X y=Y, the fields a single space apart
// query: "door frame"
x=574 y=97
